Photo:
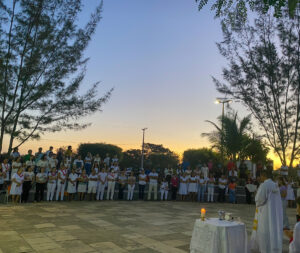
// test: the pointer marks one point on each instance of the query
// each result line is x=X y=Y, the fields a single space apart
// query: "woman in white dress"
x=72 y=181
x=183 y=191
x=192 y=188
x=82 y=184
x=16 y=186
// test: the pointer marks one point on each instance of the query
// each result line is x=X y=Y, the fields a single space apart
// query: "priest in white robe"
x=269 y=230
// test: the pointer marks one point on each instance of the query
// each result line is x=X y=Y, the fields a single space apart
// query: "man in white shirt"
x=107 y=160
x=222 y=188
x=102 y=178
x=269 y=230
x=204 y=171
x=153 y=176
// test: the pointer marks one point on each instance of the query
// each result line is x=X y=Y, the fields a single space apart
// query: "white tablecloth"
x=216 y=236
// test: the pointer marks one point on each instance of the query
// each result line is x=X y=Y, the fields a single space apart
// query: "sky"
x=159 y=56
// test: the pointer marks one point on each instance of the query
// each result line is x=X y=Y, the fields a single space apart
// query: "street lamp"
x=222 y=101
x=143 y=145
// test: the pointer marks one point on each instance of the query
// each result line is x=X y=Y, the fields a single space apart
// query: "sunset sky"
x=159 y=56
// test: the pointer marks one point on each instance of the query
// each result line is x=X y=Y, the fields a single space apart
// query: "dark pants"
x=221 y=197
x=141 y=191
x=174 y=192
x=248 y=196
x=121 y=191
x=39 y=191
x=26 y=189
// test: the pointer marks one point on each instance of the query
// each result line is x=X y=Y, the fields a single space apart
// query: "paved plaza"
x=108 y=226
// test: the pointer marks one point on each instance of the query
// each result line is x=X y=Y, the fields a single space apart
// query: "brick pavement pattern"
x=108 y=226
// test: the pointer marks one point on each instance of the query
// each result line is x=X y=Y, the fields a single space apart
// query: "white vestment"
x=295 y=244
x=269 y=218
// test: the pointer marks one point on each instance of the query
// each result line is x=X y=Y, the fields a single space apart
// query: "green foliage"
x=42 y=68
x=228 y=136
x=131 y=158
x=235 y=13
x=200 y=156
x=264 y=74
x=155 y=156
x=99 y=148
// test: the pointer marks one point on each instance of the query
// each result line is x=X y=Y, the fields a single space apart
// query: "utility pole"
x=143 y=145
x=222 y=101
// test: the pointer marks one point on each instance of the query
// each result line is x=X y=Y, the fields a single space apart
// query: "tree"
x=99 y=148
x=235 y=12
x=200 y=156
x=230 y=138
x=157 y=156
x=42 y=68
x=131 y=158
x=264 y=74
x=255 y=150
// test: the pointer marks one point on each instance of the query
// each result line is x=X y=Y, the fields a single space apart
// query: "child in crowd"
x=164 y=189
x=231 y=191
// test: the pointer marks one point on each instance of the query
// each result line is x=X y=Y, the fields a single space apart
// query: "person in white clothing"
x=82 y=184
x=294 y=235
x=204 y=170
x=16 y=186
x=72 y=182
x=16 y=164
x=267 y=234
x=51 y=185
x=102 y=179
x=111 y=182
x=164 y=189
x=131 y=185
x=192 y=187
x=290 y=197
x=6 y=172
x=211 y=188
x=61 y=183
x=183 y=186
x=142 y=184
x=92 y=186
x=153 y=176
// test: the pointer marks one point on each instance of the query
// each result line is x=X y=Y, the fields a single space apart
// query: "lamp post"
x=222 y=101
x=142 y=161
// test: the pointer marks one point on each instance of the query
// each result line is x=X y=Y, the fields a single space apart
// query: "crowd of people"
x=64 y=174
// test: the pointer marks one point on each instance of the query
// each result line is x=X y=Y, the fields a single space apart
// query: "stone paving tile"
x=45 y=225
x=107 y=247
x=108 y=226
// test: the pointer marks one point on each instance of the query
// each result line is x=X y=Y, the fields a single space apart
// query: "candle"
x=203 y=211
